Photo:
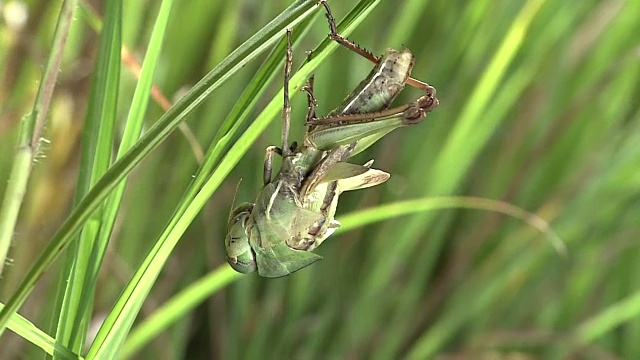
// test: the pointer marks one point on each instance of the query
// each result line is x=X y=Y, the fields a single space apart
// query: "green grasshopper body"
x=294 y=212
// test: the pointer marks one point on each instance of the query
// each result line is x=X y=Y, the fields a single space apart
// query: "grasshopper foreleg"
x=268 y=163
x=311 y=100
x=286 y=108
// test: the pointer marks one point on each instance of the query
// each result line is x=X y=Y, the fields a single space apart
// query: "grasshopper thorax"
x=240 y=255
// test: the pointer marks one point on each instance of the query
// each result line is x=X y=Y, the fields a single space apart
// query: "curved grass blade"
x=133 y=128
x=177 y=307
x=459 y=145
x=156 y=134
x=30 y=332
x=388 y=211
x=31 y=134
x=80 y=270
x=118 y=322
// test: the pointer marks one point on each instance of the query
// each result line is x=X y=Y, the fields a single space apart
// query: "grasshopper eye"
x=240 y=255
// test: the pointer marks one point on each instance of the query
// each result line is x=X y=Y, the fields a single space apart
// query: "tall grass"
x=113 y=231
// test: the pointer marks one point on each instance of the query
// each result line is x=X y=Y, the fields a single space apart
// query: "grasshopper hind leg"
x=335 y=36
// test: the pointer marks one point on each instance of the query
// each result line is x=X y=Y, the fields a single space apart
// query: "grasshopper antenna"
x=233 y=202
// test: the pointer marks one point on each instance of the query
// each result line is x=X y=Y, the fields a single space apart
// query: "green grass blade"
x=28 y=331
x=156 y=134
x=205 y=287
x=31 y=134
x=177 y=307
x=388 y=211
x=97 y=147
x=118 y=322
x=459 y=143
x=555 y=129
x=624 y=311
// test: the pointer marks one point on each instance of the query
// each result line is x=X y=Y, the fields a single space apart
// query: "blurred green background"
x=538 y=107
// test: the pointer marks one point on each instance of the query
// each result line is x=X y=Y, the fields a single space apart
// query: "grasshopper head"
x=240 y=255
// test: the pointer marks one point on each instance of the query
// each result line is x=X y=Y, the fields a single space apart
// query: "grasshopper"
x=294 y=212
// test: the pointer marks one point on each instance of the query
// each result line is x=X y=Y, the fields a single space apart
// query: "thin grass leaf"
x=28 y=331
x=120 y=319
x=558 y=136
x=613 y=316
x=230 y=126
x=177 y=307
x=95 y=159
x=31 y=134
x=156 y=134
x=458 y=144
x=388 y=211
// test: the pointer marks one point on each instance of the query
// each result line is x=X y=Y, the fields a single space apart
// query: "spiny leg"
x=334 y=130
x=286 y=118
x=268 y=163
x=286 y=109
x=311 y=100
x=335 y=36
x=410 y=113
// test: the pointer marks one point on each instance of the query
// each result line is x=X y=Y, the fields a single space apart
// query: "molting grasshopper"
x=294 y=212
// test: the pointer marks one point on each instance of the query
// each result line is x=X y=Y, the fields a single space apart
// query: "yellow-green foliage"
x=538 y=108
